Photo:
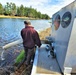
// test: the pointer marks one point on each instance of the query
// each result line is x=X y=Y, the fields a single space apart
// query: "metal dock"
x=44 y=65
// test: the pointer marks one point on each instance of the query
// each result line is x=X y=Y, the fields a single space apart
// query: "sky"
x=48 y=7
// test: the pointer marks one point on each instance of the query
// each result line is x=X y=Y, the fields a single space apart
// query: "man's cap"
x=27 y=22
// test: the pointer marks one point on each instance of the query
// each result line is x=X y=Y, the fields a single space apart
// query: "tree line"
x=12 y=10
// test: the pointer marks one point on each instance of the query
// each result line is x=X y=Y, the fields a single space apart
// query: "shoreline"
x=44 y=33
x=22 y=17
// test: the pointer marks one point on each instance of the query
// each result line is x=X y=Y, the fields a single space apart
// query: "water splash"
x=2 y=55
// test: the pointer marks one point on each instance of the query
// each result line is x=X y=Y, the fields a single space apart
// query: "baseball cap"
x=27 y=22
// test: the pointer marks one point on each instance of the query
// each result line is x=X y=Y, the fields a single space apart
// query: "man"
x=30 y=39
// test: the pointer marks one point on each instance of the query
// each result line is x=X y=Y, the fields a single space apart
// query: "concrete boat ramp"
x=44 y=65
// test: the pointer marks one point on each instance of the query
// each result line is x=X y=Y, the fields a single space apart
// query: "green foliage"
x=21 y=10
x=7 y=9
x=1 y=9
x=20 y=57
x=18 y=11
x=12 y=9
x=45 y=16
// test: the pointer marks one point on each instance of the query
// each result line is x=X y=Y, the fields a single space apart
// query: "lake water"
x=10 y=31
x=10 y=28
